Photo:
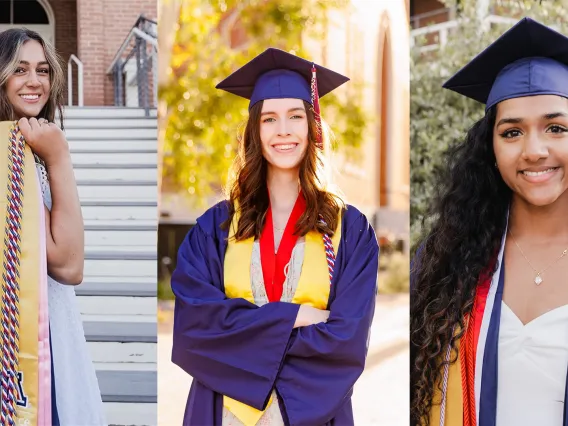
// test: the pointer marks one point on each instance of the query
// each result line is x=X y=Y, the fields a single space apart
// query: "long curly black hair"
x=468 y=221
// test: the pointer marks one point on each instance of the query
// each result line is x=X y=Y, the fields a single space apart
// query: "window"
x=21 y=12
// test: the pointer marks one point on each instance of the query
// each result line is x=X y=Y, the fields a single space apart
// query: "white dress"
x=76 y=387
x=532 y=365
x=272 y=415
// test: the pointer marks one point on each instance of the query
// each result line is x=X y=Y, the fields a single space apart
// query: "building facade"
x=93 y=31
x=368 y=41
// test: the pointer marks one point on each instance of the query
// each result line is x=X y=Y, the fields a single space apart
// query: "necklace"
x=538 y=277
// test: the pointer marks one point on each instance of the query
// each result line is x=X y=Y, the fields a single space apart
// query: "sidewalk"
x=380 y=396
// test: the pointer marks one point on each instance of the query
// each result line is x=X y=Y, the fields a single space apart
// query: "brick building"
x=91 y=30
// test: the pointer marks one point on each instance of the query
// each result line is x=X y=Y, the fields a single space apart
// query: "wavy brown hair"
x=11 y=42
x=470 y=213
x=249 y=188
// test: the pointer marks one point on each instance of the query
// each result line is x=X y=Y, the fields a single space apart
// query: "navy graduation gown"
x=235 y=348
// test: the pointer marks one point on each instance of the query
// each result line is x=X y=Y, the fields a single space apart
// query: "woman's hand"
x=310 y=316
x=64 y=223
x=45 y=139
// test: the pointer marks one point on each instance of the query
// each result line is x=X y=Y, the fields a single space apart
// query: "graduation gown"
x=232 y=347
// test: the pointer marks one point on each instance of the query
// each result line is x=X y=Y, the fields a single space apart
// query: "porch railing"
x=437 y=34
x=77 y=61
x=135 y=67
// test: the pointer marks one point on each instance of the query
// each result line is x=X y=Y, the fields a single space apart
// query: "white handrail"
x=443 y=28
x=75 y=59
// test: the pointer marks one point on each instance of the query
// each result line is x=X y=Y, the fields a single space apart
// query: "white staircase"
x=114 y=153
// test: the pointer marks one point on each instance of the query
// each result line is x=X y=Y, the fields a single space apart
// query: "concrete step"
x=120 y=328
x=106 y=112
x=114 y=224
x=128 y=353
x=128 y=414
x=138 y=383
x=134 y=252
x=119 y=209
x=98 y=123
x=99 y=268
x=116 y=157
x=120 y=134
x=118 y=286
x=114 y=305
x=128 y=145
x=123 y=238
x=115 y=172
x=117 y=190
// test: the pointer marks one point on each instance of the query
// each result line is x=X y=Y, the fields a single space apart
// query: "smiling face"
x=530 y=140
x=28 y=87
x=283 y=132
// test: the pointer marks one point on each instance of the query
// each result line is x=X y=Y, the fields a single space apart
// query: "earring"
x=496 y=165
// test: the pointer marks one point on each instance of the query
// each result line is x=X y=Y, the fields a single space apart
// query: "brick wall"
x=102 y=27
x=65 y=13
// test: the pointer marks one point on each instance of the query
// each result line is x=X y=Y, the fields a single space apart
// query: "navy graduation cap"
x=276 y=74
x=529 y=59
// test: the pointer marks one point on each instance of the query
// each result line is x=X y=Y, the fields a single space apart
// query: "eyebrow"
x=290 y=110
x=550 y=116
x=39 y=63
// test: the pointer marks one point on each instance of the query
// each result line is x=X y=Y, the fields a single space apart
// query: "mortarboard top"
x=529 y=59
x=276 y=74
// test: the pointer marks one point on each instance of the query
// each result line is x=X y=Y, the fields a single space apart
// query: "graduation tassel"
x=315 y=103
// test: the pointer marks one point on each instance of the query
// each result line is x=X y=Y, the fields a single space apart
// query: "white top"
x=533 y=360
x=76 y=387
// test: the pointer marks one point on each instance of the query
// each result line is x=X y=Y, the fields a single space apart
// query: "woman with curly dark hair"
x=271 y=325
x=489 y=307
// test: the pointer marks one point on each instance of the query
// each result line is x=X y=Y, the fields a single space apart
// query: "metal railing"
x=442 y=30
x=135 y=67
x=436 y=15
x=77 y=61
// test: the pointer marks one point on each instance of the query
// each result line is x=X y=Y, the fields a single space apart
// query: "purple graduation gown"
x=235 y=348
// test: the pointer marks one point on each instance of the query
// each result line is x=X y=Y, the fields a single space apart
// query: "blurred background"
x=200 y=43
x=445 y=35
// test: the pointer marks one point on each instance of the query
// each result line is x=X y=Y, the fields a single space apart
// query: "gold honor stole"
x=454 y=406
x=313 y=289
x=27 y=383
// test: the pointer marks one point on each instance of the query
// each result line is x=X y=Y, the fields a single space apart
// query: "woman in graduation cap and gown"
x=489 y=305
x=47 y=376
x=275 y=287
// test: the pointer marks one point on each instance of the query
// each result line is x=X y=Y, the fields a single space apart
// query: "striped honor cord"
x=445 y=383
x=10 y=279
x=329 y=252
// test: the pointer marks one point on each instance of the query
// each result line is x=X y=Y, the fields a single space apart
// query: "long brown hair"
x=11 y=42
x=457 y=251
x=248 y=189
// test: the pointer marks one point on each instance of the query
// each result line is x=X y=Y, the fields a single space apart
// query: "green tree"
x=203 y=122
x=439 y=117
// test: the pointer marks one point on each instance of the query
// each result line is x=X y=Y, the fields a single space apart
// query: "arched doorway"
x=35 y=15
x=383 y=102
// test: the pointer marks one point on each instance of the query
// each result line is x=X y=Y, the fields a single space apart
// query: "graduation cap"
x=529 y=59
x=276 y=74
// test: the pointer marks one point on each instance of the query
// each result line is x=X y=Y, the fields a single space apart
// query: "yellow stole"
x=29 y=279
x=313 y=289
x=454 y=397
